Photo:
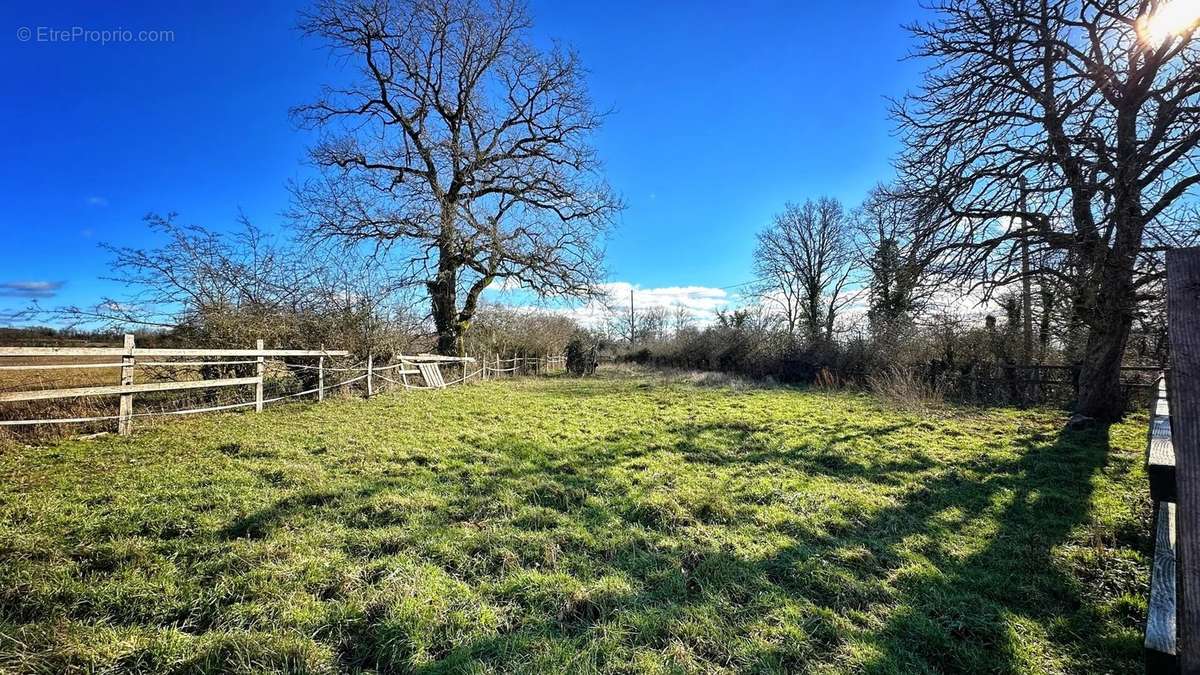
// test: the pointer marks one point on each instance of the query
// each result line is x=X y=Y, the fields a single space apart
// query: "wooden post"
x=1183 y=326
x=125 y=413
x=370 y=376
x=261 y=369
x=464 y=377
x=321 y=379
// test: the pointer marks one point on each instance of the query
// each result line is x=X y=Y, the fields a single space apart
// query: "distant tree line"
x=1050 y=158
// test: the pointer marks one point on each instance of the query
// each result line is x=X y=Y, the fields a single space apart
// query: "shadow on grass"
x=937 y=608
x=967 y=612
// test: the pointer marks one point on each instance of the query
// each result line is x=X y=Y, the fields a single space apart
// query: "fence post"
x=125 y=413
x=370 y=376
x=1183 y=326
x=261 y=369
x=321 y=378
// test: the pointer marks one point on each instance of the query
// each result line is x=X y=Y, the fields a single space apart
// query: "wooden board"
x=1160 y=643
x=139 y=351
x=432 y=375
x=1160 y=452
x=122 y=389
x=1183 y=327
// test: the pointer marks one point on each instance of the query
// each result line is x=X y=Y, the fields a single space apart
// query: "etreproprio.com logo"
x=100 y=36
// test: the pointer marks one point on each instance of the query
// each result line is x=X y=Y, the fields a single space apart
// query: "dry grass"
x=698 y=378
x=904 y=389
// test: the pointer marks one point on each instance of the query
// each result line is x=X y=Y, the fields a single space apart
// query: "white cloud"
x=30 y=289
x=702 y=302
x=505 y=285
x=95 y=200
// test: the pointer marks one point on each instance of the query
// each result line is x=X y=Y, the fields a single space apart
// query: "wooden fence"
x=426 y=366
x=1172 y=643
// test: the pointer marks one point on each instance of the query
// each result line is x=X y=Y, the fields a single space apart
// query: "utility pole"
x=632 y=322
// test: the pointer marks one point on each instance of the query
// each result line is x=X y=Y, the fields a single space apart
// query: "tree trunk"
x=445 y=319
x=1100 y=373
x=1109 y=321
x=443 y=299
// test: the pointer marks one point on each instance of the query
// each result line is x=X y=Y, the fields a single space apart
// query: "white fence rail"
x=426 y=368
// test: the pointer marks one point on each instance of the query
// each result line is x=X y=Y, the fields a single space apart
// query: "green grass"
x=556 y=525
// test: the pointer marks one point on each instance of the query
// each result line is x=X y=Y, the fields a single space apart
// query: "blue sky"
x=722 y=112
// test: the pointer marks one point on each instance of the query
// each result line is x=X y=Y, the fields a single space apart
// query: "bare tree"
x=460 y=144
x=681 y=318
x=636 y=324
x=805 y=259
x=892 y=247
x=221 y=288
x=779 y=285
x=1096 y=114
x=500 y=329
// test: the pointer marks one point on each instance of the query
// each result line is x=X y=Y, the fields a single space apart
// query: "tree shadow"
x=958 y=611
x=961 y=613
x=941 y=608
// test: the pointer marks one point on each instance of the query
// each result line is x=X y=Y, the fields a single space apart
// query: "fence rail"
x=1172 y=641
x=1161 y=643
x=425 y=366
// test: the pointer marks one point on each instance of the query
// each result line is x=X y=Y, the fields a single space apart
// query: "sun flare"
x=1172 y=18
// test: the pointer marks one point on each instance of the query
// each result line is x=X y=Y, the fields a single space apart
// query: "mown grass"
x=557 y=525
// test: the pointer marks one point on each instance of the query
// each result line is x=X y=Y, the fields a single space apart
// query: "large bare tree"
x=459 y=146
x=804 y=259
x=1070 y=126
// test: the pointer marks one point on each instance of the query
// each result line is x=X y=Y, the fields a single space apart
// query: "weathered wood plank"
x=432 y=375
x=1160 y=644
x=1160 y=469
x=125 y=407
x=321 y=380
x=141 y=351
x=435 y=358
x=1160 y=452
x=78 y=392
x=62 y=351
x=64 y=366
x=1183 y=325
x=260 y=369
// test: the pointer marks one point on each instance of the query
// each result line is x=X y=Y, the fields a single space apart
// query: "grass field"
x=621 y=524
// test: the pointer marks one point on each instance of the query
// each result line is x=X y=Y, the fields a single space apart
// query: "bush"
x=581 y=355
x=514 y=331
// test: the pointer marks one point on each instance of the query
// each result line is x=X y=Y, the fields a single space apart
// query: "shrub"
x=581 y=355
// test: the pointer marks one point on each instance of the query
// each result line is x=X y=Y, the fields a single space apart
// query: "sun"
x=1171 y=18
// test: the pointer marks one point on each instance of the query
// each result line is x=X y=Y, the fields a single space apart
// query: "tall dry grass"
x=903 y=388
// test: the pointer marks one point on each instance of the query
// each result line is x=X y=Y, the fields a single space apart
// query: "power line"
x=744 y=283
